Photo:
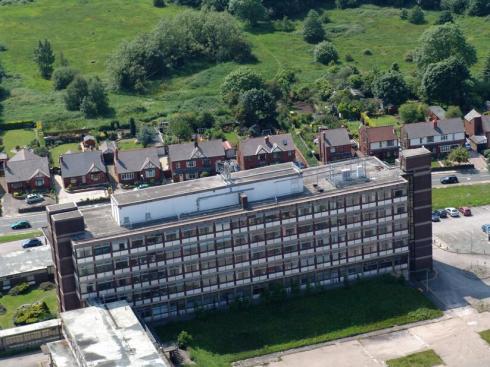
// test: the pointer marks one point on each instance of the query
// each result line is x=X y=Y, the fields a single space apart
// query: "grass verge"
x=485 y=335
x=11 y=303
x=19 y=236
x=423 y=359
x=223 y=337
x=458 y=196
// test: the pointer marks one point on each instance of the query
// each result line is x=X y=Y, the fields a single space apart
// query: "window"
x=102 y=249
x=127 y=176
x=177 y=165
x=191 y=164
x=39 y=182
x=445 y=148
x=444 y=137
x=206 y=162
x=430 y=139
x=150 y=172
x=261 y=157
x=332 y=149
x=390 y=143
x=421 y=140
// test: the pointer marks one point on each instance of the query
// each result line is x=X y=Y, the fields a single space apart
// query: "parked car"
x=20 y=224
x=449 y=180
x=453 y=212
x=34 y=198
x=465 y=211
x=442 y=213
x=141 y=187
x=33 y=242
x=485 y=228
x=435 y=216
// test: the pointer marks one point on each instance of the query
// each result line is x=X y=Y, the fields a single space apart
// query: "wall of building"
x=253 y=161
x=29 y=185
x=30 y=336
x=85 y=180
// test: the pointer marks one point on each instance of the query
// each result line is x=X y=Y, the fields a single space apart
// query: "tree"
x=180 y=128
x=441 y=42
x=87 y=96
x=88 y=107
x=285 y=78
x=325 y=53
x=412 y=112
x=459 y=155
x=44 y=58
x=445 y=81
x=132 y=127
x=63 y=76
x=75 y=92
x=98 y=95
x=216 y=5
x=391 y=88
x=444 y=17
x=146 y=135
x=250 y=11
x=238 y=81
x=255 y=106
x=485 y=72
x=453 y=111
x=478 y=8
x=455 y=6
x=404 y=14
x=159 y=3
x=416 y=16
x=184 y=339
x=313 y=31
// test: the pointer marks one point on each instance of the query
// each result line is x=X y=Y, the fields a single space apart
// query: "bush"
x=46 y=286
x=158 y=3
x=3 y=310
x=409 y=56
x=184 y=339
x=404 y=14
x=30 y=314
x=284 y=25
x=62 y=77
x=367 y=52
x=325 y=53
x=3 y=48
x=313 y=31
x=349 y=58
x=412 y=112
x=416 y=16
x=20 y=288
x=486 y=153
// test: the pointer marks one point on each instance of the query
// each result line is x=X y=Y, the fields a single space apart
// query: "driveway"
x=11 y=206
x=75 y=197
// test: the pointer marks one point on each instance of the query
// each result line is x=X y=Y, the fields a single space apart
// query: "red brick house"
x=436 y=113
x=381 y=142
x=89 y=142
x=334 y=144
x=266 y=150
x=83 y=169
x=138 y=166
x=27 y=171
x=189 y=161
x=477 y=128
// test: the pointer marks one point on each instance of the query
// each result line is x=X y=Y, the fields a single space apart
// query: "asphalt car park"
x=464 y=234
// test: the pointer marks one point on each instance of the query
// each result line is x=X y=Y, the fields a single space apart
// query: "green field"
x=458 y=196
x=12 y=302
x=423 y=359
x=88 y=31
x=223 y=337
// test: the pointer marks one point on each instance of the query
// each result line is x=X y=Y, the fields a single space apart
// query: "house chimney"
x=267 y=140
x=116 y=154
x=196 y=142
x=434 y=123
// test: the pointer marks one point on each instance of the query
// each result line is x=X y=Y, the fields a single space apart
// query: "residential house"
x=138 y=166
x=438 y=136
x=189 y=161
x=334 y=144
x=477 y=128
x=381 y=142
x=436 y=113
x=83 y=169
x=89 y=142
x=108 y=149
x=27 y=171
x=266 y=150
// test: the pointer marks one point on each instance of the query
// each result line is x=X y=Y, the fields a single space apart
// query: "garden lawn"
x=303 y=148
x=232 y=137
x=62 y=149
x=223 y=337
x=12 y=302
x=14 y=138
x=423 y=359
x=19 y=236
x=128 y=144
x=383 y=121
x=458 y=196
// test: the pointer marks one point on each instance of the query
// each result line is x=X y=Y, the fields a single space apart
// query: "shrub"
x=284 y=25
x=20 y=288
x=444 y=17
x=409 y=56
x=412 y=112
x=367 y=52
x=404 y=14
x=30 y=314
x=3 y=310
x=62 y=77
x=46 y=286
x=313 y=31
x=486 y=153
x=3 y=48
x=184 y=339
x=325 y=53
x=416 y=16
x=158 y=3
x=324 y=18
x=349 y=58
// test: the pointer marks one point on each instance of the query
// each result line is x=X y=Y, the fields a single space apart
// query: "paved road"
x=6 y=248
x=466 y=176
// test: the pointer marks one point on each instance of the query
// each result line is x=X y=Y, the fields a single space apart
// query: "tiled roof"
x=471 y=115
x=108 y=146
x=204 y=149
x=335 y=137
x=380 y=133
x=81 y=164
x=25 y=165
x=267 y=144
x=424 y=129
x=438 y=111
x=136 y=160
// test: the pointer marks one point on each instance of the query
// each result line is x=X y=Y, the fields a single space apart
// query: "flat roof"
x=414 y=152
x=322 y=182
x=24 y=261
x=108 y=335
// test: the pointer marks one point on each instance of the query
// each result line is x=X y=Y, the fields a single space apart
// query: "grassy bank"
x=423 y=359
x=19 y=236
x=224 y=337
x=458 y=196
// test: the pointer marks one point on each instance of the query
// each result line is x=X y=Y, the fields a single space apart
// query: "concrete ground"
x=66 y=197
x=8 y=247
x=27 y=360
x=464 y=234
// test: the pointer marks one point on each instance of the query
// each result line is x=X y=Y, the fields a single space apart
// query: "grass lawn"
x=485 y=335
x=233 y=138
x=383 y=121
x=87 y=32
x=312 y=161
x=458 y=196
x=128 y=144
x=423 y=359
x=62 y=149
x=13 y=138
x=223 y=337
x=19 y=236
x=12 y=302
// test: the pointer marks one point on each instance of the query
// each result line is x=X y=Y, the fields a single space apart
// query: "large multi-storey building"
x=172 y=249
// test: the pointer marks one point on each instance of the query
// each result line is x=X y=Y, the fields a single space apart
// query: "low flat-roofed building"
x=33 y=266
x=30 y=336
x=104 y=335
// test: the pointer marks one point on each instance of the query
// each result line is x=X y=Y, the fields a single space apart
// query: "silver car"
x=453 y=212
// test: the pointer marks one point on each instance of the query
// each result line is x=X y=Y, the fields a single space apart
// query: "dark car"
x=33 y=242
x=449 y=180
x=21 y=225
x=442 y=213
x=435 y=217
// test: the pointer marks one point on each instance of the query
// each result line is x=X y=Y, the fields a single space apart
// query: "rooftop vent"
x=346 y=174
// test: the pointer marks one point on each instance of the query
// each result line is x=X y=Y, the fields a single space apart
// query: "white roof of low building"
x=25 y=261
